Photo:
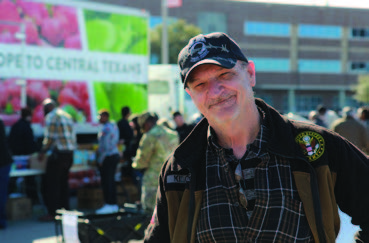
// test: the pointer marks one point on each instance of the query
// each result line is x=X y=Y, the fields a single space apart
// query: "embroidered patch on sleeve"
x=181 y=179
x=312 y=144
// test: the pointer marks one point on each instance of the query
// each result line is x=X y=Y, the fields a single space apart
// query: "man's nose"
x=215 y=87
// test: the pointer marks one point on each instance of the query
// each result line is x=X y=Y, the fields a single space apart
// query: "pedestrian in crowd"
x=21 y=138
x=351 y=129
x=155 y=146
x=125 y=137
x=363 y=114
x=60 y=139
x=314 y=118
x=137 y=135
x=136 y=173
x=108 y=159
x=331 y=116
x=321 y=116
x=125 y=131
x=22 y=142
x=182 y=127
x=5 y=164
x=248 y=174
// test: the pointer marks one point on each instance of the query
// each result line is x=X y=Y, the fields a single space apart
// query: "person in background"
x=137 y=135
x=155 y=146
x=125 y=131
x=108 y=159
x=125 y=136
x=321 y=116
x=60 y=139
x=246 y=173
x=182 y=127
x=351 y=129
x=136 y=174
x=21 y=138
x=363 y=115
x=22 y=142
x=314 y=118
x=5 y=164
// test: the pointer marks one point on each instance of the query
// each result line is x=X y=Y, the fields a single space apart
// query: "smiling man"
x=246 y=173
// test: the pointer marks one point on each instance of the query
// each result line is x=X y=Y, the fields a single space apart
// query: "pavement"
x=32 y=231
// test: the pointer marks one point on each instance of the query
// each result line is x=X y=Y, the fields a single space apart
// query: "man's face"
x=103 y=118
x=179 y=120
x=222 y=94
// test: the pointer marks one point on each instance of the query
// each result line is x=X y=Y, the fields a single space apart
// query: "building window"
x=359 y=67
x=212 y=22
x=272 y=64
x=320 y=31
x=263 y=28
x=267 y=98
x=307 y=103
x=360 y=32
x=319 y=66
x=285 y=104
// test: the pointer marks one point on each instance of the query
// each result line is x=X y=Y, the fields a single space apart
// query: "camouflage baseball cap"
x=214 y=48
x=142 y=118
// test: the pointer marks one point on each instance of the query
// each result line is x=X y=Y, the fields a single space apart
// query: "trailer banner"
x=86 y=56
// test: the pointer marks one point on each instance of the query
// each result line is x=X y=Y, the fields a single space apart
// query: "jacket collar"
x=191 y=152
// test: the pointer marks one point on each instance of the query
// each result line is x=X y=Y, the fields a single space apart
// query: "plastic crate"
x=129 y=223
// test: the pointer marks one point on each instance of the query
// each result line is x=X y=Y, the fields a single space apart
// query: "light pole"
x=22 y=82
x=164 y=36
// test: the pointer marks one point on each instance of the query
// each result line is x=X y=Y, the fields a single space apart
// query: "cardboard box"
x=127 y=193
x=34 y=163
x=90 y=198
x=18 y=208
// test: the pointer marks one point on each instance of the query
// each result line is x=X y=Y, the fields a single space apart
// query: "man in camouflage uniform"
x=155 y=146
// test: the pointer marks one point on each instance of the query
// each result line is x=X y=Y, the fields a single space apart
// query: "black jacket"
x=21 y=139
x=335 y=174
x=126 y=133
x=5 y=157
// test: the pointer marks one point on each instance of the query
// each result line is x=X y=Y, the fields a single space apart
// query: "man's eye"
x=199 y=84
x=227 y=75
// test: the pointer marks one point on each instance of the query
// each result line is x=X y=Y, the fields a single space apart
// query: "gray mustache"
x=218 y=100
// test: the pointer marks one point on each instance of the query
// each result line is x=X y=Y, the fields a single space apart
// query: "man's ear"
x=251 y=72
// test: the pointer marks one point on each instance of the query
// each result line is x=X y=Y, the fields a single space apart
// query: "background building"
x=304 y=55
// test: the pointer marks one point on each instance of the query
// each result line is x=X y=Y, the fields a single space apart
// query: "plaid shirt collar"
x=254 y=149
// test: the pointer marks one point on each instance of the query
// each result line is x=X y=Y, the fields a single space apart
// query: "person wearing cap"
x=59 y=138
x=350 y=128
x=248 y=174
x=107 y=159
x=155 y=146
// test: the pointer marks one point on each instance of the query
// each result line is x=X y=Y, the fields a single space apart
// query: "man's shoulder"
x=17 y=124
x=121 y=122
x=59 y=113
x=110 y=126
